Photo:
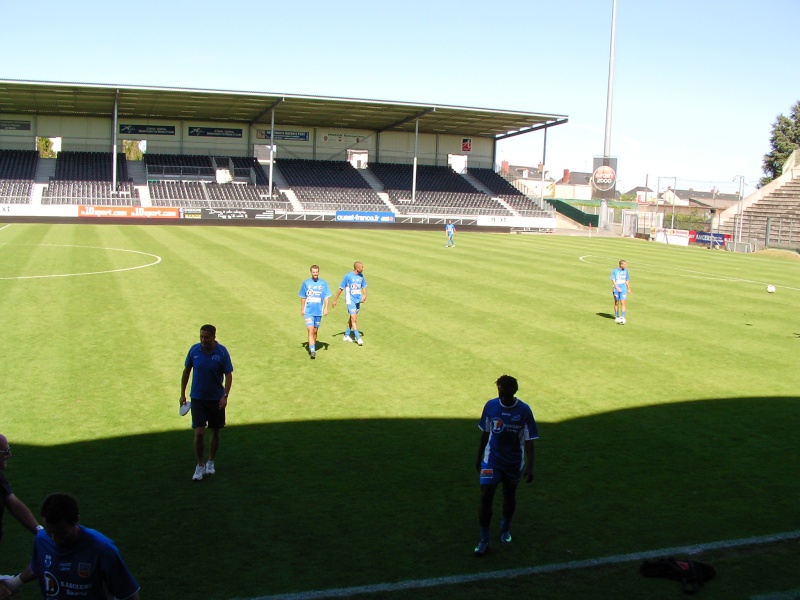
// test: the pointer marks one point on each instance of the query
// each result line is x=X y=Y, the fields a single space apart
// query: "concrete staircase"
x=773 y=220
x=377 y=185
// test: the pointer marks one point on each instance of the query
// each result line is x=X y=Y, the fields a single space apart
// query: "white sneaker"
x=617 y=320
x=210 y=468
x=360 y=342
x=198 y=472
x=347 y=338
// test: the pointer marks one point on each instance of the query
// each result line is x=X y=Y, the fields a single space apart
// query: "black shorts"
x=207 y=413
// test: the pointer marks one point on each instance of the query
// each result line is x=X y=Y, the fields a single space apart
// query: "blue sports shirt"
x=450 y=229
x=90 y=569
x=208 y=371
x=620 y=277
x=315 y=293
x=508 y=428
x=352 y=284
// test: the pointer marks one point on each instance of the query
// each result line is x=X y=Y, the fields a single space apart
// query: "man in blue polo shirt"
x=212 y=366
x=508 y=430
x=354 y=285
x=73 y=561
x=314 y=294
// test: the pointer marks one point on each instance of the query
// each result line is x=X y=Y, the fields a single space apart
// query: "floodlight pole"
x=610 y=98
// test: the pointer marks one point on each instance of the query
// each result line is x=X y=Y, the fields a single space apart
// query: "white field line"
x=693 y=274
x=416 y=584
x=150 y=264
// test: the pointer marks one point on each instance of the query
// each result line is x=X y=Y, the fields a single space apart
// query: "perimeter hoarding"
x=358 y=216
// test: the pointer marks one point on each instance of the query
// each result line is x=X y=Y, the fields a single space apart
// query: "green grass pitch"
x=358 y=468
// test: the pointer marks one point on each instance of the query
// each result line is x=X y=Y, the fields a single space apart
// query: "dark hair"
x=507 y=386
x=210 y=329
x=60 y=508
x=314 y=267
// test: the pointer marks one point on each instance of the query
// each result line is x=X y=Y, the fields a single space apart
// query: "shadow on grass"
x=313 y=505
x=605 y=315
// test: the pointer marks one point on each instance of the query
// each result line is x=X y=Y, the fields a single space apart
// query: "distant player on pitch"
x=450 y=230
x=505 y=453
x=354 y=285
x=314 y=294
x=621 y=279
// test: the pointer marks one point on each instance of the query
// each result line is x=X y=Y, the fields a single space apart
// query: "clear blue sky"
x=698 y=84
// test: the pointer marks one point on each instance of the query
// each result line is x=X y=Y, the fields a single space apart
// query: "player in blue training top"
x=212 y=365
x=508 y=430
x=355 y=292
x=72 y=561
x=314 y=294
x=622 y=288
x=450 y=230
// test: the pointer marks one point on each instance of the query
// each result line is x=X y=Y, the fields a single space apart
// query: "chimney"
x=565 y=179
x=504 y=167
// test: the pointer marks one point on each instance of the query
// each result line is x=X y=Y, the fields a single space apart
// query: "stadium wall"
x=95 y=134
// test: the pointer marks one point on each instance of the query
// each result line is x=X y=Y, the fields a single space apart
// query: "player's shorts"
x=353 y=307
x=493 y=476
x=207 y=413
x=313 y=321
x=623 y=295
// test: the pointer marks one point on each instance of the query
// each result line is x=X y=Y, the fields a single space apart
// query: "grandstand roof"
x=87 y=99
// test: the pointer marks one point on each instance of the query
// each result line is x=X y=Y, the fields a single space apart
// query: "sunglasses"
x=6 y=452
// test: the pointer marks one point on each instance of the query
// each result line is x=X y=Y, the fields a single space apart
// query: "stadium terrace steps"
x=775 y=215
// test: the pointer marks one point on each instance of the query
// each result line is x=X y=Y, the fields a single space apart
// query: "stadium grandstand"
x=194 y=153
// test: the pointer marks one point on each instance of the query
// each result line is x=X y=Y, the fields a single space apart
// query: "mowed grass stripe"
x=321 y=458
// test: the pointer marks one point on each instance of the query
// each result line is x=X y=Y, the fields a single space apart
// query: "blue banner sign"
x=358 y=216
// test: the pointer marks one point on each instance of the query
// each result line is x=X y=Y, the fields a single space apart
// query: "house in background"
x=574 y=185
x=643 y=195
x=528 y=179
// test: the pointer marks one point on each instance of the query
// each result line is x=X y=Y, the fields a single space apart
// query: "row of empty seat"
x=91 y=192
x=317 y=185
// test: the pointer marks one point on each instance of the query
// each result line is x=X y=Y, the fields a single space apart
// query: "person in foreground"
x=314 y=295
x=73 y=561
x=505 y=453
x=8 y=500
x=212 y=364
x=354 y=285
x=621 y=279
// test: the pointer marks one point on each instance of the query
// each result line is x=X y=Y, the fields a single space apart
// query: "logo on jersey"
x=51 y=584
x=497 y=425
x=84 y=570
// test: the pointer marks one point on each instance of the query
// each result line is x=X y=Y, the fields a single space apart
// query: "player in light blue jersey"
x=508 y=430
x=354 y=286
x=450 y=230
x=73 y=561
x=621 y=279
x=314 y=294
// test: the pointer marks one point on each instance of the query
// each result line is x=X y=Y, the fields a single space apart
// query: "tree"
x=45 y=147
x=132 y=150
x=784 y=139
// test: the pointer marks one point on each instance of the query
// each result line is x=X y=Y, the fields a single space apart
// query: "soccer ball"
x=770 y=288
